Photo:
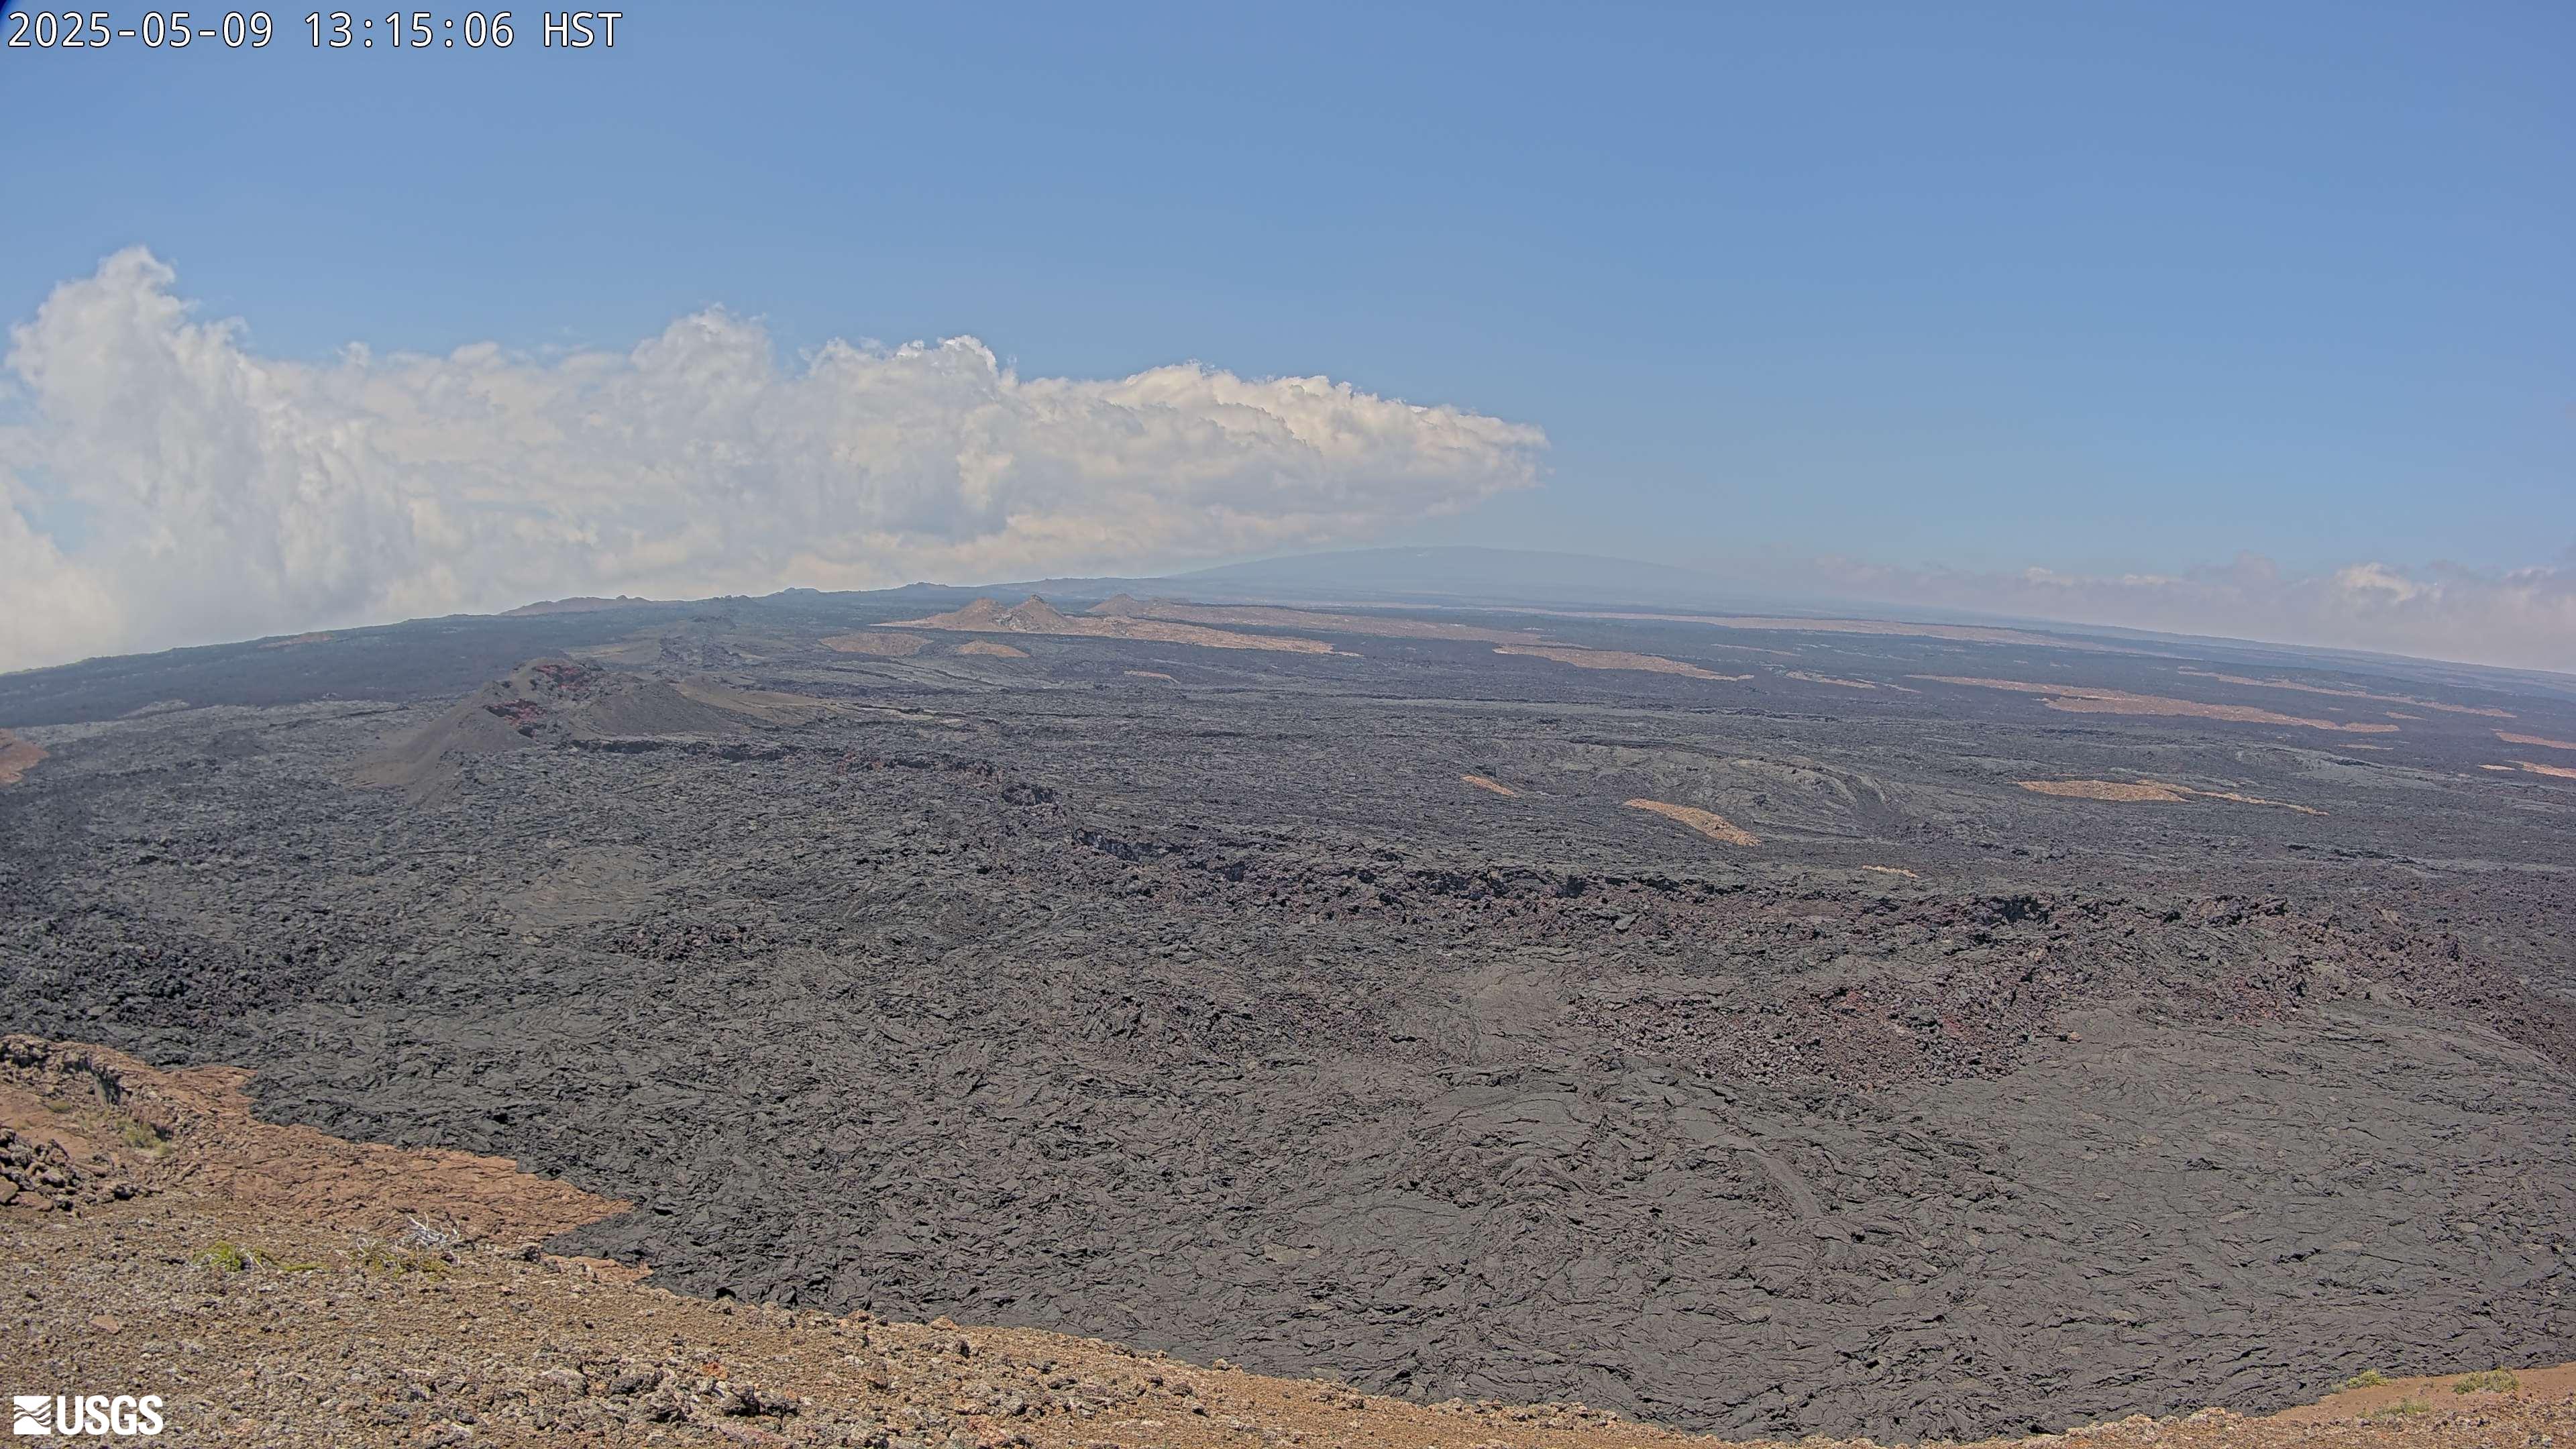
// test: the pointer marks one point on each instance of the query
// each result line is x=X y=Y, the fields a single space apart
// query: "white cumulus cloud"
x=161 y=483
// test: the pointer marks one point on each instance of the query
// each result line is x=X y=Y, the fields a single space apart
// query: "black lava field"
x=1349 y=1012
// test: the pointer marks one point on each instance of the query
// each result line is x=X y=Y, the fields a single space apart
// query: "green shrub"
x=2366 y=1379
x=2495 y=1380
x=226 y=1257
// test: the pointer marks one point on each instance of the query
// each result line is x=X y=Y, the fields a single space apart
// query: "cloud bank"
x=2523 y=618
x=161 y=484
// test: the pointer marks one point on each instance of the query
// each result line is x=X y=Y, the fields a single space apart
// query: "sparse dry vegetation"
x=2488 y=1381
x=392 y=1261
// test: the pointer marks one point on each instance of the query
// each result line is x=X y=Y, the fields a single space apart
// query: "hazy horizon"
x=2205 y=322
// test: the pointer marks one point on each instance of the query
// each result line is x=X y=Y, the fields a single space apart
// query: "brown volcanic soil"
x=991 y=649
x=2397 y=1397
x=1034 y=615
x=1715 y=826
x=2120 y=701
x=2540 y=740
x=123 y=1121
x=883 y=643
x=2488 y=710
x=2560 y=771
x=17 y=757
x=1482 y=782
x=278 y=1287
x=1615 y=659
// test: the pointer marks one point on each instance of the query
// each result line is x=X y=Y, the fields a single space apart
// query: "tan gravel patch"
x=2155 y=790
x=882 y=643
x=17 y=757
x=2106 y=790
x=2081 y=700
x=991 y=649
x=1615 y=659
x=2541 y=740
x=193 y=1128
x=1486 y=782
x=1707 y=822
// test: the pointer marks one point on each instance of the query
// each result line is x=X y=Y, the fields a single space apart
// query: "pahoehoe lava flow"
x=1315 y=989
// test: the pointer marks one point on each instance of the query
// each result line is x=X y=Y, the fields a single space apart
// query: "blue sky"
x=1977 y=287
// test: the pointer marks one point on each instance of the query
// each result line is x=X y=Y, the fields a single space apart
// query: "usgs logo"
x=46 y=1415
